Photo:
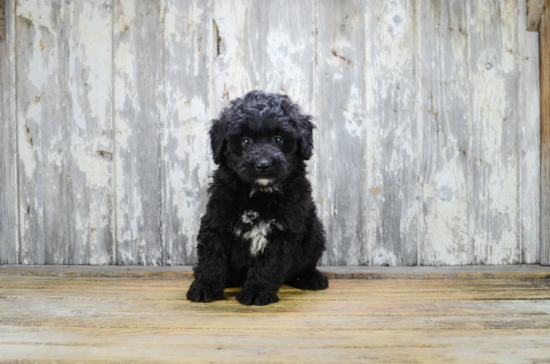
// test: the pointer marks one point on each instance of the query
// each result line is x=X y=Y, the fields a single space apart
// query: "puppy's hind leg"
x=309 y=279
x=314 y=243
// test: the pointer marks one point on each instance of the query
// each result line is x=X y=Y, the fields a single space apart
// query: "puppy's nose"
x=263 y=165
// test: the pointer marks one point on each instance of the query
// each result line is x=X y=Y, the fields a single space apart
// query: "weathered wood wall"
x=9 y=239
x=545 y=133
x=428 y=147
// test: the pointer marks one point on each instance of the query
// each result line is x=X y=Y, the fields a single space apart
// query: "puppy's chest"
x=256 y=230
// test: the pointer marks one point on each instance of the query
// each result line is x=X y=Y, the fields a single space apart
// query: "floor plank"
x=66 y=319
x=520 y=271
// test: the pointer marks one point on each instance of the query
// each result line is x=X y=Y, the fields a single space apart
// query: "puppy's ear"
x=217 y=139
x=306 y=136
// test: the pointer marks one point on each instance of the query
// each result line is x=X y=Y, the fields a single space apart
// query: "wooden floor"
x=134 y=320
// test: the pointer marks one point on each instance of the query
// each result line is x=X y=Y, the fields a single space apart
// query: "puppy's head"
x=262 y=137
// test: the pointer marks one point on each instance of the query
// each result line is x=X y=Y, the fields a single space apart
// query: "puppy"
x=261 y=228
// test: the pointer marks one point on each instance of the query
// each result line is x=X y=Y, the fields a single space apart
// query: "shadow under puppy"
x=261 y=228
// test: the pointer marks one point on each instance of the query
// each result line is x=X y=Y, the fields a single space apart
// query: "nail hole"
x=106 y=155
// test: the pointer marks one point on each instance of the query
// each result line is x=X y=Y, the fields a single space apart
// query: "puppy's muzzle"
x=263 y=165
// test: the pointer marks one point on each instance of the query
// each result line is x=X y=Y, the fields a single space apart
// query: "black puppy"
x=261 y=228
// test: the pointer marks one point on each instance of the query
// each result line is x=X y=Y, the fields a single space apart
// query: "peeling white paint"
x=26 y=153
x=466 y=195
x=355 y=116
x=128 y=14
x=38 y=12
x=529 y=93
x=96 y=54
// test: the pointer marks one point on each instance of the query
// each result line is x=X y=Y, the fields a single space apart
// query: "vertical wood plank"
x=544 y=33
x=188 y=48
x=392 y=138
x=137 y=50
x=495 y=124
x=264 y=45
x=9 y=239
x=88 y=106
x=529 y=101
x=446 y=132
x=341 y=94
x=42 y=138
x=64 y=116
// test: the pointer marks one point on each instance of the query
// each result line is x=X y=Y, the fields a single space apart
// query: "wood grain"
x=446 y=133
x=9 y=237
x=494 y=81
x=64 y=115
x=42 y=66
x=529 y=152
x=341 y=146
x=139 y=320
x=469 y=272
x=88 y=108
x=138 y=55
x=263 y=45
x=358 y=346
x=392 y=143
x=187 y=60
x=544 y=39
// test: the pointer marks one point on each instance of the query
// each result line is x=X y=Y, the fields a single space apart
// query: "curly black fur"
x=261 y=228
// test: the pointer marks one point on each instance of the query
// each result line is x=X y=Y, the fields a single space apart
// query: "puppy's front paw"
x=200 y=293
x=255 y=296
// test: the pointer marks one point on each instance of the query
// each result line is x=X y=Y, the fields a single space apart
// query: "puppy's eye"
x=246 y=142
x=278 y=140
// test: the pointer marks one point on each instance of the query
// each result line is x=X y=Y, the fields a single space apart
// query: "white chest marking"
x=258 y=232
x=258 y=237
